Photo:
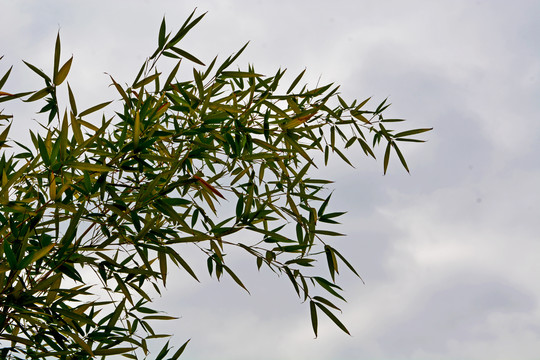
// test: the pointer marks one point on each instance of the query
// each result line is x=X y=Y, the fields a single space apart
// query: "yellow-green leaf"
x=63 y=72
x=81 y=342
x=90 y=167
x=147 y=80
x=94 y=108
x=39 y=94
x=113 y=351
x=41 y=253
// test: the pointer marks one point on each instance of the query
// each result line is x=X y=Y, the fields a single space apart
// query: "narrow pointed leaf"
x=94 y=108
x=314 y=320
x=333 y=318
x=63 y=72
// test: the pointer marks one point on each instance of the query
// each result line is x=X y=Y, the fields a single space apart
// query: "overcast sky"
x=450 y=253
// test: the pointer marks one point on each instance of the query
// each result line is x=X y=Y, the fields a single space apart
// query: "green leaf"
x=295 y=82
x=161 y=36
x=159 y=317
x=163 y=266
x=412 y=132
x=313 y=312
x=94 y=109
x=136 y=130
x=38 y=71
x=187 y=55
x=182 y=262
x=387 y=156
x=328 y=233
x=347 y=263
x=76 y=128
x=39 y=94
x=333 y=317
x=235 y=278
x=171 y=76
x=184 y=29
x=300 y=176
x=41 y=253
x=121 y=91
x=331 y=260
x=5 y=77
x=10 y=255
x=4 y=134
x=328 y=286
x=63 y=72
x=17 y=339
x=112 y=351
x=81 y=342
x=326 y=302
x=72 y=102
x=180 y=351
x=239 y=74
x=116 y=314
x=400 y=156
x=56 y=55
x=146 y=80
x=292 y=279
x=89 y=167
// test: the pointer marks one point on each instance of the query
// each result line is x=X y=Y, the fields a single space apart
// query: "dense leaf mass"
x=113 y=201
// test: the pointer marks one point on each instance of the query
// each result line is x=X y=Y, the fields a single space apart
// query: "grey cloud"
x=457 y=309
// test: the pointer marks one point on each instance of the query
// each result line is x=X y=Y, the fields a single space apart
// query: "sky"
x=449 y=254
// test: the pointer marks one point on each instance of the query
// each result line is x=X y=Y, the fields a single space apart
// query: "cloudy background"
x=450 y=253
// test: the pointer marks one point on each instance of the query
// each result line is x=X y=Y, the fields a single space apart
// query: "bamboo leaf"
x=17 y=339
x=56 y=55
x=180 y=351
x=314 y=320
x=239 y=74
x=76 y=127
x=162 y=256
x=10 y=255
x=112 y=351
x=94 y=109
x=63 y=72
x=295 y=82
x=41 y=253
x=183 y=263
x=333 y=317
x=412 y=132
x=332 y=263
x=184 y=29
x=400 y=156
x=72 y=102
x=136 y=130
x=116 y=314
x=89 y=167
x=39 y=95
x=5 y=77
x=161 y=36
x=3 y=136
x=347 y=263
x=81 y=342
x=187 y=55
x=235 y=278
x=171 y=76
x=38 y=71
x=146 y=80
x=386 y=157
x=326 y=302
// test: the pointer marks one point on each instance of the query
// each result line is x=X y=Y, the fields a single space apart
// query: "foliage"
x=115 y=202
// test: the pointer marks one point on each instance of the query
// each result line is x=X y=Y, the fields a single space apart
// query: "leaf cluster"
x=116 y=200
